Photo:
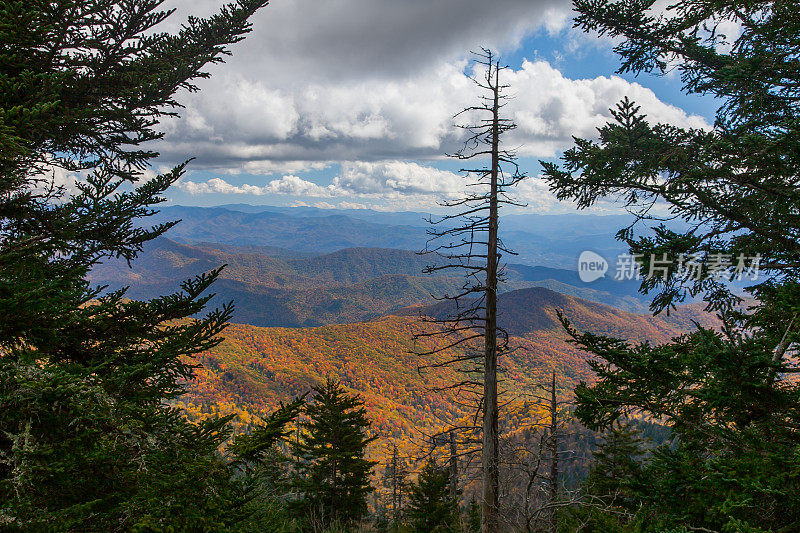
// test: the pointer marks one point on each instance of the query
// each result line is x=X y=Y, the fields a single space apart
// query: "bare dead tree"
x=523 y=458
x=553 y=408
x=469 y=241
x=453 y=467
x=394 y=478
x=531 y=462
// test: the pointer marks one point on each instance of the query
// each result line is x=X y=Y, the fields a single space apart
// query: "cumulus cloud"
x=338 y=205
x=277 y=167
x=382 y=185
x=343 y=80
x=295 y=42
x=370 y=85
x=287 y=185
x=396 y=177
x=348 y=120
x=404 y=119
x=384 y=179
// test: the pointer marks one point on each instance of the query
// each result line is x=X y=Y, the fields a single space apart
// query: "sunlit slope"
x=527 y=312
x=254 y=367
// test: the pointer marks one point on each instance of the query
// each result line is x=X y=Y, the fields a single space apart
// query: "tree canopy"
x=88 y=439
x=728 y=393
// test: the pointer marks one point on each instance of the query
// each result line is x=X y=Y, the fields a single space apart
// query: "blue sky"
x=349 y=103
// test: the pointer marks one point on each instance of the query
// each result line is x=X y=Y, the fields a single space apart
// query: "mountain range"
x=342 y=294
x=547 y=240
x=279 y=287
x=375 y=252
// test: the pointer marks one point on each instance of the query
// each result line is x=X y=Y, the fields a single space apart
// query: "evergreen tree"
x=615 y=475
x=431 y=507
x=263 y=469
x=724 y=393
x=87 y=439
x=473 y=522
x=331 y=473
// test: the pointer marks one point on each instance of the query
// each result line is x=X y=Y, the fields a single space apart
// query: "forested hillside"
x=527 y=311
x=254 y=368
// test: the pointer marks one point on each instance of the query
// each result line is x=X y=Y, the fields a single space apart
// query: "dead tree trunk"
x=453 y=468
x=553 y=455
x=489 y=455
x=394 y=477
x=473 y=319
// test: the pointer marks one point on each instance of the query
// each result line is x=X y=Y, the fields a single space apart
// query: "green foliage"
x=736 y=183
x=616 y=472
x=88 y=442
x=331 y=474
x=473 y=520
x=252 y=446
x=263 y=469
x=431 y=508
x=727 y=393
x=592 y=519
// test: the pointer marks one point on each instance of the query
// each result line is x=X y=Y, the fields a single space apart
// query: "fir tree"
x=332 y=475
x=615 y=475
x=724 y=393
x=473 y=521
x=88 y=441
x=263 y=469
x=431 y=507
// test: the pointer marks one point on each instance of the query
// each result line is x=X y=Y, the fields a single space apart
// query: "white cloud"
x=397 y=177
x=403 y=119
x=341 y=205
x=343 y=80
x=287 y=185
x=278 y=167
x=385 y=179
x=298 y=42
x=348 y=120
x=384 y=185
x=371 y=85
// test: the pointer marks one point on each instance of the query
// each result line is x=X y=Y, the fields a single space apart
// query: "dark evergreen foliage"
x=263 y=469
x=615 y=476
x=88 y=441
x=431 y=507
x=331 y=474
x=728 y=394
x=472 y=524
